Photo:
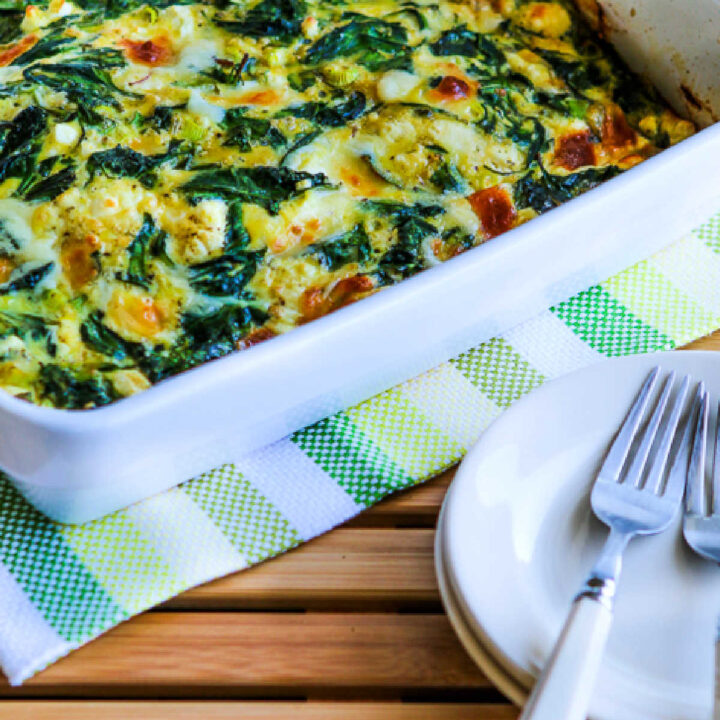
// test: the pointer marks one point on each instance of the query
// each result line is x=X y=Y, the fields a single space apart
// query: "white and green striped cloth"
x=61 y=586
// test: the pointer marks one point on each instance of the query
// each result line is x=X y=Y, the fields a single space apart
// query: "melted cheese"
x=216 y=175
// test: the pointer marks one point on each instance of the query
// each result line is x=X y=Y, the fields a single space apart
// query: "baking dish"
x=76 y=466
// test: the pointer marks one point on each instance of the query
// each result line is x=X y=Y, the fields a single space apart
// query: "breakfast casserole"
x=179 y=181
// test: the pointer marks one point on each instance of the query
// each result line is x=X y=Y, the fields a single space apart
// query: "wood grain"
x=350 y=569
x=69 y=710
x=709 y=342
x=228 y=654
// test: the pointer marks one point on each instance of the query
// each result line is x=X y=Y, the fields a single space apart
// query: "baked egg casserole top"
x=182 y=180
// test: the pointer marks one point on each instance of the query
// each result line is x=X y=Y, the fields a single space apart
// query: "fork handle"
x=565 y=686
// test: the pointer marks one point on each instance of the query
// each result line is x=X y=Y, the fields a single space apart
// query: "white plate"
x=494 y=672
x=518 y=538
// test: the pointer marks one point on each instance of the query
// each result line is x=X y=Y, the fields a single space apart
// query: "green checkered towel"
x=61 y=586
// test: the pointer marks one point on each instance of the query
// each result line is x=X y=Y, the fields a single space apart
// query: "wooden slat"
x=231 y=654
x=710 y=342
x=69 y=710
x=349 y=568
x=417 y=507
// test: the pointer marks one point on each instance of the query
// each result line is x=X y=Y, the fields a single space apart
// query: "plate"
x=518 y=537
x=484 y=659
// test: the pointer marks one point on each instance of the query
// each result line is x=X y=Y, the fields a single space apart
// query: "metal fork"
x=633 y=495
x=701 y=523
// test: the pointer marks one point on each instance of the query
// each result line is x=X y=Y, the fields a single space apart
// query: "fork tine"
x=617 y=455
x=654 y=481
x=679 y=470
x=695 y=496
x=637 y=465
x=716 y=469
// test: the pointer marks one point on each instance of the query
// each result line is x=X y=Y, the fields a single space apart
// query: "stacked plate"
x=516 y=537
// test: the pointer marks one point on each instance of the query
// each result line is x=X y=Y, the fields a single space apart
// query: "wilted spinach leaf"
x=42 y=184
x=350 y=247
x=75 y=388
x=140 y=251
x=29 y=327
x=447 y=178
x=246 y=132
x=334 y=114
x=400 y=212
x=580 y=74
x=232 y=73
x=98 y=336
x=279 y=19
x=24 y=279
x=457 y=41
x=543 y=191
x=124 y=162
x=51 y=44
x=261 y=185
x=85 y=80
x=377 y=44
x=113 y=8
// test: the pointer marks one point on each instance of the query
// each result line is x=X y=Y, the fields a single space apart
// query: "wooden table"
x=349 y=626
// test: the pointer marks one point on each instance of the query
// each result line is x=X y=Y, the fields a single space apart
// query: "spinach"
x=228 y=72
x=399 y=212
x=411 y=227
x=280 y=19
x=447 y=178
x=377 y=44
x=20 y=143
x=147 y=239
x=26 y=279
x=99 y=337
x=226 y=275
x=75 y=388
x=161 y=117
x=301 y=141
x=85 y=80
x=246 y=132
x=457 y=41
x=10 y=20
x=8 y=242
x=24 y=130
x=564 y=103
x=124 y=162
x=411 y=10
x=543 y=191
x=207 y=335
x=301 y=81
x=350 y=247
x=260 y=185
x=113 y=8
x=405 y=257
x=29 y=327
x=529 y=133
x=580 y=74
x=41 y=186
x=457 y=241
x=327 y=114
x=49 y=45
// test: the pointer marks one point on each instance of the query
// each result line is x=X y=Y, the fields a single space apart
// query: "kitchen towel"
x=61 y=586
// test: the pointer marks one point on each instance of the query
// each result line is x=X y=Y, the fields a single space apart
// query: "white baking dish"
x=79 y=465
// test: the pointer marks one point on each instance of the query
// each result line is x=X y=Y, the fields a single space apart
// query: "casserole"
x=76 y=466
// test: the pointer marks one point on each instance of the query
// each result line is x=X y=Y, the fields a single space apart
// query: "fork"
x=633 y=495
x=701 y=522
